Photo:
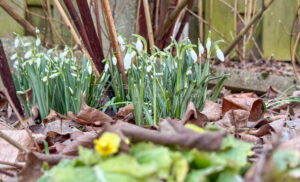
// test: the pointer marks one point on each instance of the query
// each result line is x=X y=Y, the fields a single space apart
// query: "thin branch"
x=247 y=27
x=96 y=9
x=294 y=55
x=113 y=38
x=22 y=121
x=13 y=142
x=200 y=23
x=149 y=24
x=17 y=165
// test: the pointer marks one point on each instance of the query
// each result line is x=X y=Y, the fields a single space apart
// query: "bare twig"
x=200 y=23
x=17 y=165
x=13 y=142
x=148 y=23
x=96 y=9
x=114 y=39
x=293 y=56
x=247 y=27
x=22 y=121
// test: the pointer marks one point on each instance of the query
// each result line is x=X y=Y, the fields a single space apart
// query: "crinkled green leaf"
x=88 y=157
x=180 y=166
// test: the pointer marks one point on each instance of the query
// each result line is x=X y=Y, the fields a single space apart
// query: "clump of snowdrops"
x=161 y=84
x=56 y=79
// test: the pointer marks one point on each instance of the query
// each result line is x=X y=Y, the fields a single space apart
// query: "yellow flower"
x=108 y=143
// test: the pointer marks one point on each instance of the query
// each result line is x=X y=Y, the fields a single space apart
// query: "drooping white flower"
x=44 y=79
x=133 y=53
x=106 y=67
x=38 y=62
x=194 y=55
x=54 y=75
x=114 y=60
x=220 y=55
x=56 y=59
x=122 y=43
x=28 y=54
x=159 y=74
x=20 y=92
x=38 y=42
x=127 y=61
x=13 y=57
x=16 y=64
x=208 y=44
x=139 y=45
x=201 y=49
x=27 y=44
x=189 y=72
x=90 y=69
x=74 y=74
x=17 y=42
x=37 y=31
x=49 y=51
x=148 y=68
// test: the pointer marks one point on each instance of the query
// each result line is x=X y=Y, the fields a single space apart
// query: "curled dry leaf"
x=212 y=111
x=238 y=101
x=234 y=118
x=272 y=92
x=53 y=116
x=124 y=111
x=89 y=116
x=192 y=115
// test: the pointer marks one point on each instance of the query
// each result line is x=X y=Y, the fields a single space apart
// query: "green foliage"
x=56 y=79
x=148 y=162
x=162 y=83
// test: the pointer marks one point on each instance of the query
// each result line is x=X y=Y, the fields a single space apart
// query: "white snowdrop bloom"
x=38 y=62
x=30 y=62
x=159 y=74
x=74 y=74
x=56 y=59
x=44 y=79
x=16 y=64
x=106 y=67
x=122 y=43
x=114 y=60
x=28 y=54
x=38 y=42
x=220 y=55
x=46 y=70
x=139 y=45
x=208 y=44
x=17 y=42
x=127 y=61
x=20 y=92
x=194 y=55
x=201 y=49
x=148 y=68
x=27 y=44
x=73 y=68
x=37 y=31
x=133 y=53
x=90 y=69
x=189 y=72
x=54 y=75
x=13 y=57
x=49 y=51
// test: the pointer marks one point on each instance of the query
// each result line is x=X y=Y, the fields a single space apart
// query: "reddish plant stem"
x=91 y=34
x=8 y=80
x=96 y=9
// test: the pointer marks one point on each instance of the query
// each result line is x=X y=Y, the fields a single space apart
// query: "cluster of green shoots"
x=55 y=79
x=161 y=84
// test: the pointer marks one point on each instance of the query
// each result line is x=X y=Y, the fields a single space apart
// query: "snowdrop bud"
x=44 y=79
x=54 y=75
x=28 y=55
x=201 y=49
x=114 y=60
x=106 y=67
x=20 y=92
x=49 y=51
x=27 y=44
x=38 y=62
x=17 y=42
x=208 y=44
x=16 y=64
x=38 y=42
x=159 y=74
x=139 y=45
x=127 y=61
x=89 y=68
x=148 y=68
x=13 y=57
x=74 y=75
x=71 y=91
x=121 y=42
x=194 y=55
x=220 y=54
x=73 y=68
x=56 y=59
x=189 y=72
x=37 y=31
x=133 y=53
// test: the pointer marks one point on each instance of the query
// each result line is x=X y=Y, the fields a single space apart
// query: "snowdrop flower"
x=220 y=54
x=159 y=74
x=38 y=62
x=114 y=60
x=127 y=61
x=13 y=57
x=56 y=59
x=63 y=54
x=201 y=49
x=20 y=92
x=49 y=51
x=16 y=64
x=194 y=55
x=189 y=72
x=44 y=79
x=133 y=53
x=38 y=42
x=139 y=45
x=28 y=55
x=37 y=31
x=208 y=44
x=73 y=68
x=71 y=90
x=17 y=42
x=89 y=68
x=27 y=44
x=106 y=67
x=74 y=75
x=54 y=75
x=121 y=42
x=148 y=68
